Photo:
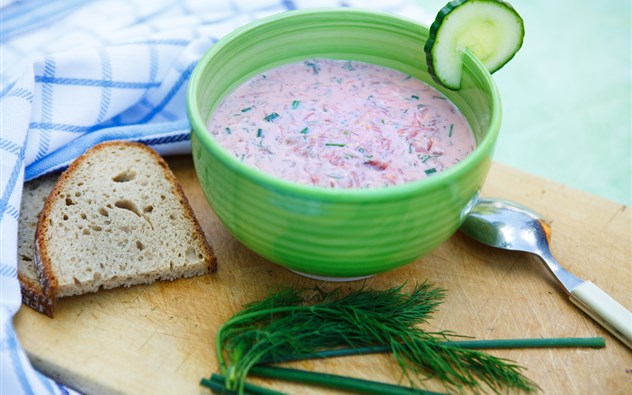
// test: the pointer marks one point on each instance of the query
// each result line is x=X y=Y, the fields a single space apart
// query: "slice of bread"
x=117 y=217
x=33 y=197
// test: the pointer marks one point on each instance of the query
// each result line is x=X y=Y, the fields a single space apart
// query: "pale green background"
x=567 y=96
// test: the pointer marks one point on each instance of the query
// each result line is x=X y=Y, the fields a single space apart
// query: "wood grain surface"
x=159 y=339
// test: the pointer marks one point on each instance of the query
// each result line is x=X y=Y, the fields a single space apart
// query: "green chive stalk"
x=336 y=381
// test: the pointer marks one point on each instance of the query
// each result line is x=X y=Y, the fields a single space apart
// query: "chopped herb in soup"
x=341 y=124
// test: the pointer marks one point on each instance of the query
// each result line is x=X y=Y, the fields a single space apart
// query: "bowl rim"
x=200 y=131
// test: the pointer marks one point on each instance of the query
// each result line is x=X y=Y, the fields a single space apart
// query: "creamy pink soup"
x=341 y=124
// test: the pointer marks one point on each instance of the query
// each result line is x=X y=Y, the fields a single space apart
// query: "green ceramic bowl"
x=336 y=233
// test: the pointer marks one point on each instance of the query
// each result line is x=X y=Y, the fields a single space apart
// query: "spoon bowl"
x=510 y=226
x=507 y=225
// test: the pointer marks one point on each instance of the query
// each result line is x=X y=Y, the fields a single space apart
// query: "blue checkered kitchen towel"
x=74 y=73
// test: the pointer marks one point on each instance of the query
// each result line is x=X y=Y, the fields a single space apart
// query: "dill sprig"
x=287 y=324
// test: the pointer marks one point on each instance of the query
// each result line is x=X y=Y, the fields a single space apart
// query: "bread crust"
x=48 y=279
x=33 y=297
x=33 y=198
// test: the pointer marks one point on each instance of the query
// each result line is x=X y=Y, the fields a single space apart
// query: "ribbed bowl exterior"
x=333 y=232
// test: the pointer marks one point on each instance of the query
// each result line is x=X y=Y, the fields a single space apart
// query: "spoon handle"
x=604 y=309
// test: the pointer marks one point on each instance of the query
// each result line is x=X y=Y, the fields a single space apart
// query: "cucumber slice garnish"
x=491 y=29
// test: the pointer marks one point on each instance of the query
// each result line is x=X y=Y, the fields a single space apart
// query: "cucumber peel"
x=490 y=29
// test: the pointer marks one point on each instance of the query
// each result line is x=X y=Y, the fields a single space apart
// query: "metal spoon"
x=510 y=226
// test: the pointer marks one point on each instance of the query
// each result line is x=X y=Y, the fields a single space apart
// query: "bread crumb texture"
x=121 y=219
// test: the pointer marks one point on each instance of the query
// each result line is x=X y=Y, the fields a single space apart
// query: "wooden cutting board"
x=159 y=339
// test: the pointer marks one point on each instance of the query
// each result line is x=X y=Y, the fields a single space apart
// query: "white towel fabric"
x=74 y=73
